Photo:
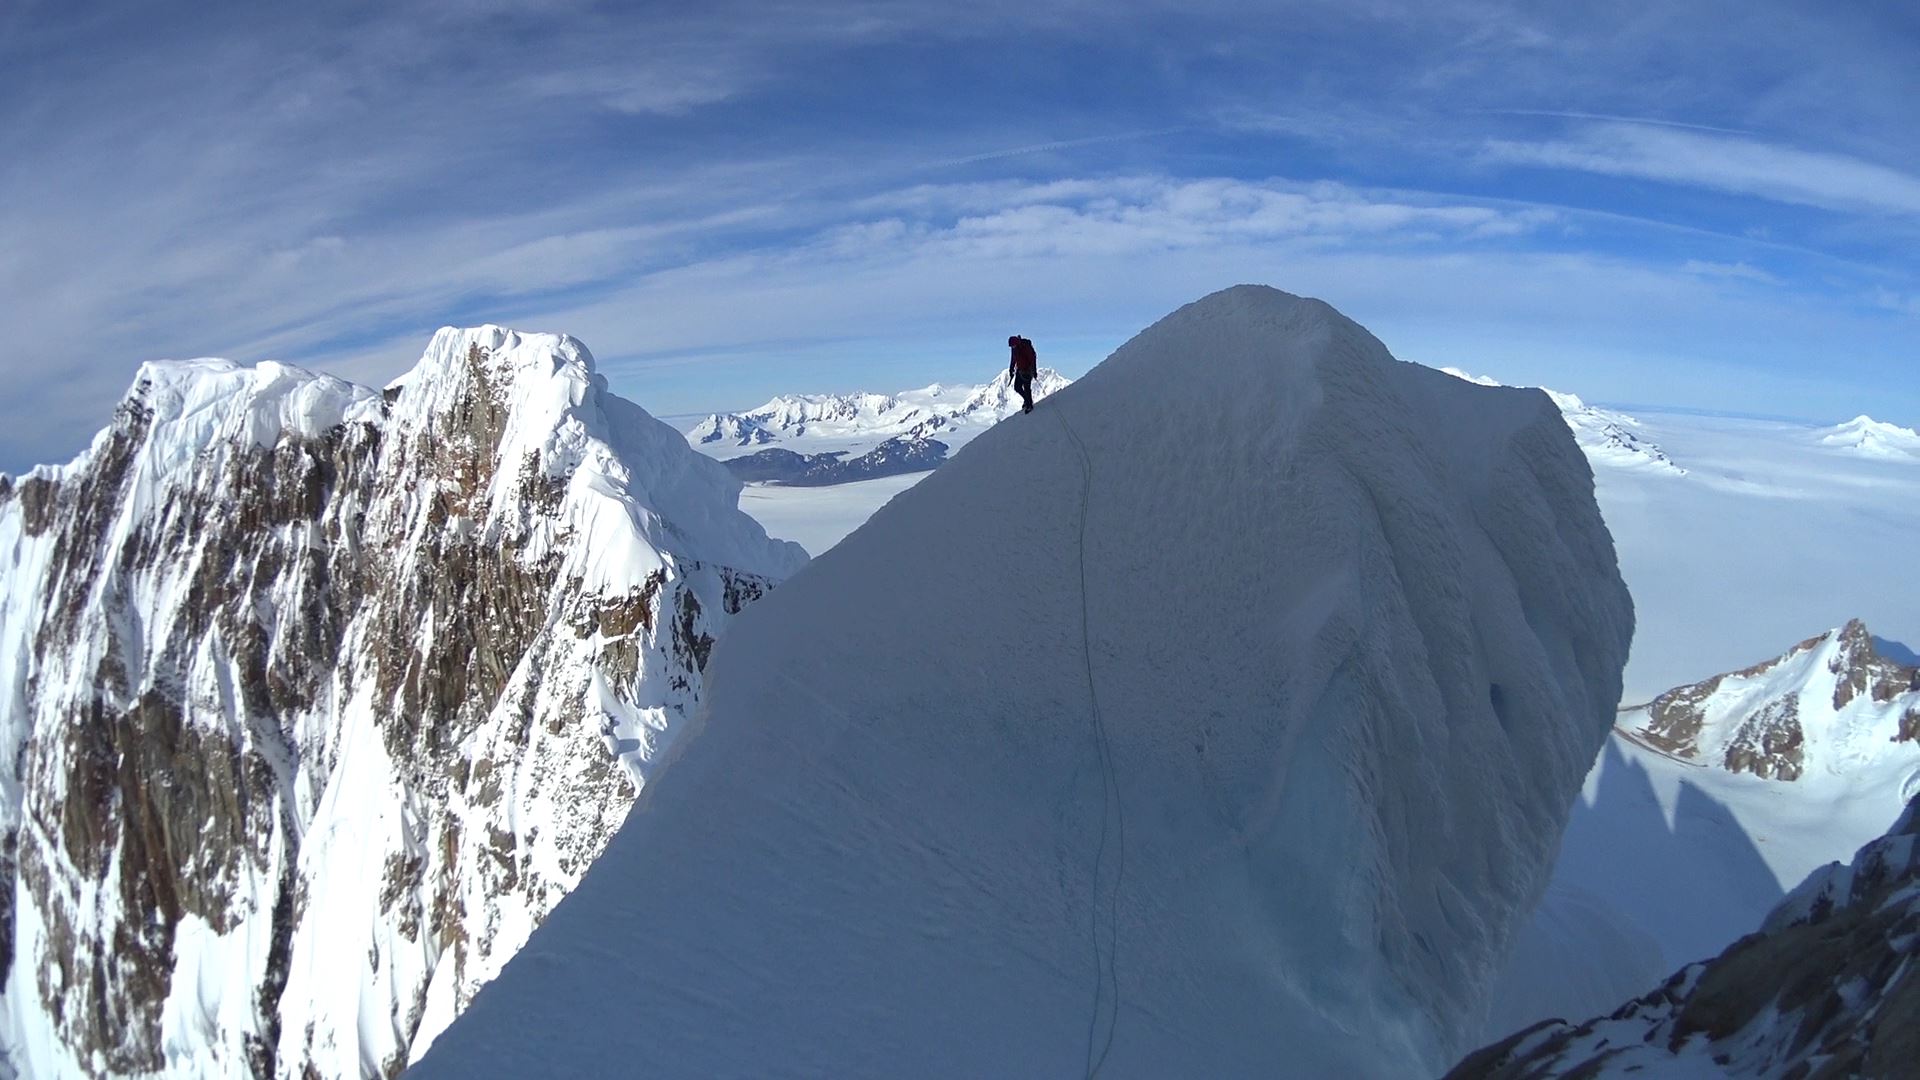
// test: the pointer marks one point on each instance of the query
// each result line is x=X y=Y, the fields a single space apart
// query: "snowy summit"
x=1867 y=437
x=1104 y=749
x=321 y=696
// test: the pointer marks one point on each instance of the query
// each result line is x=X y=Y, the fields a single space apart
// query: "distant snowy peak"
x=914 y=414
x=1832 y=701
x=1829 y=986
x=997 y=398
x=1867 y=437
x=731 y=428
x=1606 y=435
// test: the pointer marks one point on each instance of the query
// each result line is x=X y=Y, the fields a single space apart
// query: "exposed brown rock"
x=168 y=800
x=1863 y=671
x=1770 y=742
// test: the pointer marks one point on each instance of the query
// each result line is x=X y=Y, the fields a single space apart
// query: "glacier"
x=1103 y=749
x=320 y=696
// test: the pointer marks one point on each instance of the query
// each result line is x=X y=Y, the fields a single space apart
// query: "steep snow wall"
x=317 y=698
x=1351 y=660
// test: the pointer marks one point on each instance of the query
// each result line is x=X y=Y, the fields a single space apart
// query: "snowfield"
x=1101 y=749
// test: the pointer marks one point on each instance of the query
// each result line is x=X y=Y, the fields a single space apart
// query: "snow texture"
x=1766 y=534
x=1101 y=749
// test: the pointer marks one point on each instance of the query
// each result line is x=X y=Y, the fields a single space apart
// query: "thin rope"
x=1110 y=804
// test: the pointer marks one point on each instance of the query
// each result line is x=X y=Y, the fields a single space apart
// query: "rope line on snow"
x=1110 y=804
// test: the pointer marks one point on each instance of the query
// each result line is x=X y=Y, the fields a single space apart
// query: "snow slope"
x=1710 y=803
x=318 y=697
x=1166 y=760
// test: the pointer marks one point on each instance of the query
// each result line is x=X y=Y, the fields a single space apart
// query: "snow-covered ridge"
x=1827 y=986
x=1867 y=437
x=1607 y=435
x=859 y=421
x=319 y=697
x=1832 y=704
x=1327 y=693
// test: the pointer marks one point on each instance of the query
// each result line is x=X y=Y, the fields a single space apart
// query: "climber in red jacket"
x=1022 y=368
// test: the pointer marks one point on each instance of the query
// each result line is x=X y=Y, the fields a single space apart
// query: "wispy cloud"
x=1735 y=270
x=1904 y=303
x=1722 y=162
x=756 y=181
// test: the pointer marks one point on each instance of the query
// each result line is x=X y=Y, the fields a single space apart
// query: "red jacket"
x=1024 y=358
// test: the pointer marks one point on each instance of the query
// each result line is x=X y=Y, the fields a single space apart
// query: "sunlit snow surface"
x=1774 y=532
x=1770 y=536
x=1353 y=658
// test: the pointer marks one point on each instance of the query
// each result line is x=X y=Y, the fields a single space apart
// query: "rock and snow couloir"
x=1249 y=765
x=317 y=698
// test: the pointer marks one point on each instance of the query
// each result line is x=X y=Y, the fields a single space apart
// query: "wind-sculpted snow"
x=1234 y=758
x=321 y=697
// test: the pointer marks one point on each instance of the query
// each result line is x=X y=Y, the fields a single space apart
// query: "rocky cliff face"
x=316 y=699
x=1827 y=987
x=1834 y=692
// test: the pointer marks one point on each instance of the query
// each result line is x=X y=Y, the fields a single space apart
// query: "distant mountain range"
x=810 y=440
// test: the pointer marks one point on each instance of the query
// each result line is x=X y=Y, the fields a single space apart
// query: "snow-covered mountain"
x=1832 y=703
x=1829 y=985
x=1106 y=748
x=1866 y=437
x=1709 y=804
x=316 y=699
x=1608 y=436
x=858 y=422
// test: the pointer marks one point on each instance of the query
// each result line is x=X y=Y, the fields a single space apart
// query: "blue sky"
x=1709 y=205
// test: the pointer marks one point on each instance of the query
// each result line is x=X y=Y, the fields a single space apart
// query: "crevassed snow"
x=1331 y=683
